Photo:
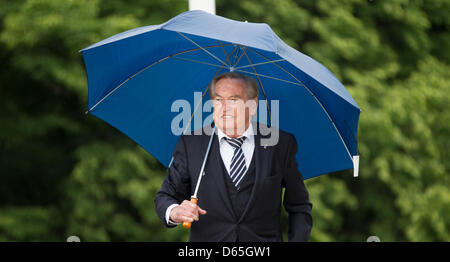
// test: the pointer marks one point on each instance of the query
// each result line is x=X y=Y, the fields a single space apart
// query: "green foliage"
x=392 y=57
x=64 y=173
x=29 y=224
x=111 y=192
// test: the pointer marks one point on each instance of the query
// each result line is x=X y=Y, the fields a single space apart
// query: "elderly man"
x=241 y=193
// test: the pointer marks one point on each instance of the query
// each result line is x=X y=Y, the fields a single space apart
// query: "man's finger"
x=192 y=205
x=189 y=209
x=193 y=215
x=201 y=211
x=187 y=203
x=190 y=214
x=187 y=219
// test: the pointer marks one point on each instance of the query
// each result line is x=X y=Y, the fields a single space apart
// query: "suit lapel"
x=217 y=173
x=262 y=156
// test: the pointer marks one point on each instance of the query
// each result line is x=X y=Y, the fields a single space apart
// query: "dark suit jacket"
x=276 y=167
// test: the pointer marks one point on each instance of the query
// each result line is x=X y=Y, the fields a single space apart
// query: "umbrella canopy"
x=134 y=78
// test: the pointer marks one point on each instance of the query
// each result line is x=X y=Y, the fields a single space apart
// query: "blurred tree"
x=43 y=127
x=110 y=195
x=64 y=173
x=391 y=57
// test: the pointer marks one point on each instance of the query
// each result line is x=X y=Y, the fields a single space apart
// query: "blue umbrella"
x=134 y=78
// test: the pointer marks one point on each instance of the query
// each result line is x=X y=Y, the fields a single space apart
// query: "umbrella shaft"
x=202 y=172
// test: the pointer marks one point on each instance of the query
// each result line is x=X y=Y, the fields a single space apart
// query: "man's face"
x=232 y=108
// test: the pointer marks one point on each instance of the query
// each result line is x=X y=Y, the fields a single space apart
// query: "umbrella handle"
x=188 y=224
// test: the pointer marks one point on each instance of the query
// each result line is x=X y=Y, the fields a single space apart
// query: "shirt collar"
x=248 y=133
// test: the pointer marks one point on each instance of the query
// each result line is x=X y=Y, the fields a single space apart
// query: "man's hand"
x=186 y=212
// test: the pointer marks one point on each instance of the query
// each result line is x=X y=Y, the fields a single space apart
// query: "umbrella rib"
x=196 y=61
x=234 y=50
x=192 y=116
x=260 y=83
x=271 y=77
x=204 y=93
x=257 y=64
x=239 y=59
x=197 y=106
x=277 y=65
x=117 y=87
x=225 y=52
x=145 y=68
x=196 y=49
x=209 y=53
x=312 y=94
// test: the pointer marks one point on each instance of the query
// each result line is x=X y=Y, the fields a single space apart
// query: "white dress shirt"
x=226 y=153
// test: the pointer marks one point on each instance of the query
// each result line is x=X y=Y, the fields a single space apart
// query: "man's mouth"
x=227 y=116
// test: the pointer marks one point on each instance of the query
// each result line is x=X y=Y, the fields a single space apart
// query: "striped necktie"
x=238 y=167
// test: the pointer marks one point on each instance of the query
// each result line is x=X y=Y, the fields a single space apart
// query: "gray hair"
x=251 y=87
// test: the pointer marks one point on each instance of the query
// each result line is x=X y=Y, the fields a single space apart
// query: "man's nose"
x=224 y=104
